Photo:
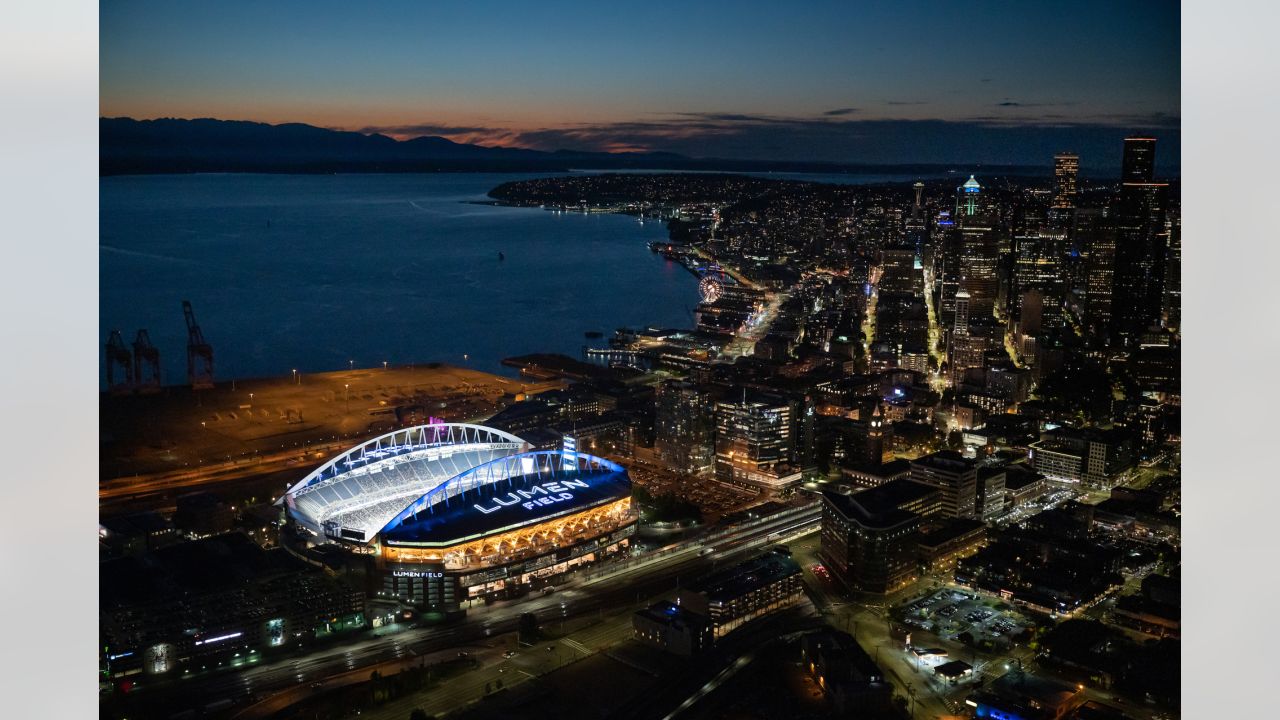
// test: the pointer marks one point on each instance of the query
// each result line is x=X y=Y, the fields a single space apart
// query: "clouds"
x=474 y=134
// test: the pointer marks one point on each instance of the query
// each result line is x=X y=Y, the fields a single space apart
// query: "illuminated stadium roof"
x=508 y=493
x=438 y=484
x=358 y=492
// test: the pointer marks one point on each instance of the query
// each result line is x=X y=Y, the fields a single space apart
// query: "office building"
x=754 y=441
x=1096 y=235
x=869 y=539
x=955 y=475
x=1142 y=238
x=1066 y=166
x=949 y=541
x=1096 y=458
x=1171 y=315
x=684 y=427
x=992 y=493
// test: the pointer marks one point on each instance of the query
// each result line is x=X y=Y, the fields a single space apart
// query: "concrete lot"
x=180 y=428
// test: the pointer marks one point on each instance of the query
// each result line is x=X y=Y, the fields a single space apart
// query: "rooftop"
x=1034 y=695
x=881 y=506
x=666 y=612
x=953 y=669
x=736 y=581
x=945 y=461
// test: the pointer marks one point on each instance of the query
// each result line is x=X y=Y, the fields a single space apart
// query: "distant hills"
x=168 y=145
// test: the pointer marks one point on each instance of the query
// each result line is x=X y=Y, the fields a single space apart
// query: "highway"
x=625 y=585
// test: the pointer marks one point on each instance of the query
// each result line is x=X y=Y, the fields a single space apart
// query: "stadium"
x=453 y=513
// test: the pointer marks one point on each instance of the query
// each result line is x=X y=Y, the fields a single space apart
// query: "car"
x=509 y=654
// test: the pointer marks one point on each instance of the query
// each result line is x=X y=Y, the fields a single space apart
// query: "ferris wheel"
x=710 y=287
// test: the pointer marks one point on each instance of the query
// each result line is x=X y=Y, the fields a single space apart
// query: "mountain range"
x=171 y=145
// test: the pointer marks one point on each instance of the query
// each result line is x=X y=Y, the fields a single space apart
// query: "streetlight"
x=295 y=376
x=384 y=364
x=346 y=397
x=351 y=364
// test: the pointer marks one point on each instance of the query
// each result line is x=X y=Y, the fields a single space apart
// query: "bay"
x=320 y=272
x=314 y=272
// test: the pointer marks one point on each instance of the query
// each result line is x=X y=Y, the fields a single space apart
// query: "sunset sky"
x=848 y=81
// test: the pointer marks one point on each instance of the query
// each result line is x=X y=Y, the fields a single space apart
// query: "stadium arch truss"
x=354 y=495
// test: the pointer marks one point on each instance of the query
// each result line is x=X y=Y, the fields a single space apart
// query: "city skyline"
x=927 y=83
x=667 y=361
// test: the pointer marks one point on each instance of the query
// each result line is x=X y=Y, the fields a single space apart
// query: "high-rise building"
x=1141 y=244
x=1031 y=312
x=898 y=271
x=754 y=441
x=953 y=474
x=869 y=539
x=969 y=199
x=1066 y=166
x=684 y=427
x=1139 y=162
x=979 y=264
x=961 y=327
x=1172 y=314
x=1096 y=236
x=1038 y=264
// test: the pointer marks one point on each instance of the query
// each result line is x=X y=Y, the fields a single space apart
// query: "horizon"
x=1172 y=170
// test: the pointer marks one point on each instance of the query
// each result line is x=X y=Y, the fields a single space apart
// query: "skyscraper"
x=916 y=226
x=1096 y=237
x=1141 y=244
x=961 y=326
x=1139 y=163
x=1172 y=314
x=1038 y=263
x=969 y=199
x=979 y=263
x=1065 y=168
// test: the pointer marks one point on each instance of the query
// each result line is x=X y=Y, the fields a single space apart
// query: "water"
x=315 y=271
x=311 y=272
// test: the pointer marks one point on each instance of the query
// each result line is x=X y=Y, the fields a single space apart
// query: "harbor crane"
x=199 y=352
x=146 y=363
x=119 y=366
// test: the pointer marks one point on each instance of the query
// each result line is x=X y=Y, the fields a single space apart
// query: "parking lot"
x=950 y=613
x=1051 y=500
x=713 y=498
